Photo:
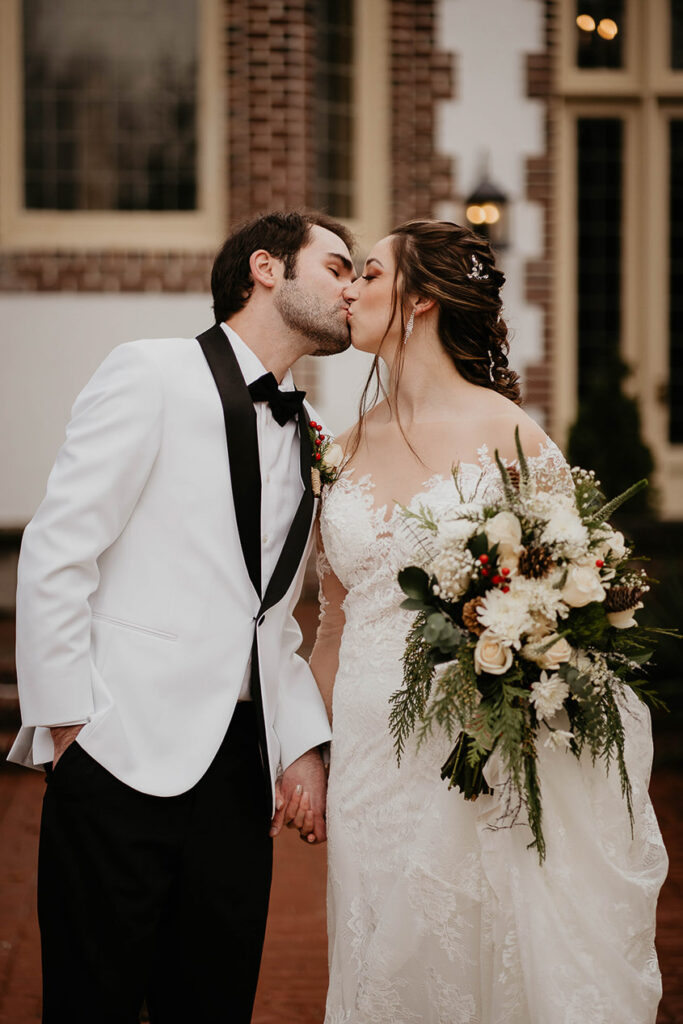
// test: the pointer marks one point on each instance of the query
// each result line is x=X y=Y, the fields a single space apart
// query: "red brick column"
x=420 y=77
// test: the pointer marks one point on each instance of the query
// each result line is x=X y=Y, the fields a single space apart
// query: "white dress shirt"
x=281 y=483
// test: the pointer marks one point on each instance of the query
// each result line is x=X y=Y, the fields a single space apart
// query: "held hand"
x=300 y=798
x=62 y=737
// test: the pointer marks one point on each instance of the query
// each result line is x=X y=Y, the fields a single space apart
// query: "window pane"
x=677 y=34
x=676 y=286
x=600 y=27
x=110 y=98
x=600 y=145
x=334 y=119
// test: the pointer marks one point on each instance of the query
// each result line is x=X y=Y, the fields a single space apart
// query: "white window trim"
x=663 y=79
x=115 y=230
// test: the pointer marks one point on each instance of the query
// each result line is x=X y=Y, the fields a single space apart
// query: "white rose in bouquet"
x=555 y=655
x=611 y=543
x=582 y=586
x=504 y=529
x=624 y=619
x=491 y=654
x=548 y=695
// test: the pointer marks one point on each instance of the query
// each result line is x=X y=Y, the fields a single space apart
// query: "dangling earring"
x=409 y=326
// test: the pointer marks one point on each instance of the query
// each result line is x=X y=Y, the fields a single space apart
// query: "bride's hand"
x=300 y=798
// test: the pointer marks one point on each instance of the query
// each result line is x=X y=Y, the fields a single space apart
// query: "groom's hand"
x=300 y=798
x=62 y=737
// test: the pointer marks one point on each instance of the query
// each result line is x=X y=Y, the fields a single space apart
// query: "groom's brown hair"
x=281 y=233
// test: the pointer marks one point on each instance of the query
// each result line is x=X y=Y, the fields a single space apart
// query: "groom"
x=156 y=645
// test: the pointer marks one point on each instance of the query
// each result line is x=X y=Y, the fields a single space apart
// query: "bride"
x=436 y=914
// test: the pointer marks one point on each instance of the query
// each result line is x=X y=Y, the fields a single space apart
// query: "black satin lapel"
x=242 y=440
x=295 y=544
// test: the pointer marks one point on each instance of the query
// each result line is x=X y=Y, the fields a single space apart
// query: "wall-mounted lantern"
x=486 y=210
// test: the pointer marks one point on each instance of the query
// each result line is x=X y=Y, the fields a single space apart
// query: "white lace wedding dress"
x=436 y=916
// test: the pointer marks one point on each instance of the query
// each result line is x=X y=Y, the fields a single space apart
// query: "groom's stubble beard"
x=323 y=326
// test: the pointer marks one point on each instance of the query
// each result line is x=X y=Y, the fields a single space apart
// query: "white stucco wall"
x=49 y=347
x=51 y=344
x=491 y=116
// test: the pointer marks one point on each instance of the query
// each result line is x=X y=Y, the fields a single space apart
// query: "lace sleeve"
x=551 y=470
x=325 y=655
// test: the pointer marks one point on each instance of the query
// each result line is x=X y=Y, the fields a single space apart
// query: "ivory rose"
x=491 y=654
x=554 y=656
x=582 y=586
x=333 y=456
x=504 y=529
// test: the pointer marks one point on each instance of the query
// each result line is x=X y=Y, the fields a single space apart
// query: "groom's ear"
x=265 y=269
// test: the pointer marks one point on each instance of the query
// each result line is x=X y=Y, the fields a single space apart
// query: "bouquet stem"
x=468 y=778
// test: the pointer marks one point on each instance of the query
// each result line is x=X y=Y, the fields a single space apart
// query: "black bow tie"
x=284 y=404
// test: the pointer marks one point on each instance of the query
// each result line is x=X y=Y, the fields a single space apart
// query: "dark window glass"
x=676 y=286
x=600 y=152
x=677 y=34
x=598 y=45
x=334 y=116
x=110 y=104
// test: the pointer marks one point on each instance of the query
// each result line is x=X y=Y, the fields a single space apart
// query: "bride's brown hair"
x=456 y=268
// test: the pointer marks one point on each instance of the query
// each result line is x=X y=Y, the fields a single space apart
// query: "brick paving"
x=293 y=977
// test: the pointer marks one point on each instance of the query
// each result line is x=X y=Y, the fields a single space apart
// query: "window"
x=110 y=122
x=110 y=105
x=334 y=135
x=599 y=208
x=600 y=32
x=620 y=218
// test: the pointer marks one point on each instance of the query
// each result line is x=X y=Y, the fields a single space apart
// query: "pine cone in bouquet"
x=535 y=563
x=622 y=597
x=470 y=620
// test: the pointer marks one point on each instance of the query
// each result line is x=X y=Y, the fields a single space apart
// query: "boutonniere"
x=326 y=458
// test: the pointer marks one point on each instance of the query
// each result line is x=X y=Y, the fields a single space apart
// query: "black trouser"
x=163 y=898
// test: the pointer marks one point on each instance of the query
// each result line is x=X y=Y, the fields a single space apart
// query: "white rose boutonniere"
x=326 y=458
x=491 y=655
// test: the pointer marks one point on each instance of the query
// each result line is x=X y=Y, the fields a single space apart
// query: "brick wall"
x=540 y=177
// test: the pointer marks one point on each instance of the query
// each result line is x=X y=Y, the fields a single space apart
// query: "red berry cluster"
x=498 y=578
x=318 y=440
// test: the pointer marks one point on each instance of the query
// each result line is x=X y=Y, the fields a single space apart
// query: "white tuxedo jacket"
x=136 y=610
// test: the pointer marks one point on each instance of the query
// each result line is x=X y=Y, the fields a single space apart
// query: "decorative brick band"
x=540 y=176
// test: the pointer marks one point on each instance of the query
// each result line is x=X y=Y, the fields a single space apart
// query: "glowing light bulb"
x=585 y=23
x=491 y=213
x=476 y=214
x=607 y=28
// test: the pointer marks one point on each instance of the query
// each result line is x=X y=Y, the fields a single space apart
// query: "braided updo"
x=456 y=268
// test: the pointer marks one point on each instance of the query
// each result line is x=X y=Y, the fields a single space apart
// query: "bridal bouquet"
x=525 y=633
